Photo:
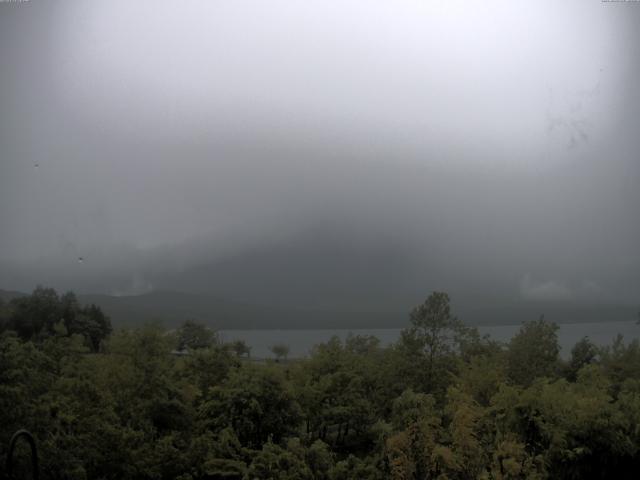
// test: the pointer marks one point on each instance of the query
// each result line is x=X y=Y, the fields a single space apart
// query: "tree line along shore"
x=443 y=402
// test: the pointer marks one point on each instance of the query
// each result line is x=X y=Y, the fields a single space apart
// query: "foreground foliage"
x=441 y=403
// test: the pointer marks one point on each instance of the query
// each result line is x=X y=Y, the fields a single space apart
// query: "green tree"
x=92 y=324
x=193 y=335
x=482 y=376
x=621 y=361
x=218 y=455
x=584 y=352
x=320 y=459
x=4 y=315
x=206 y=368
x=354 y=467
x=276 y=463
x=533 y=352
x=431 y=341
x=34 y=316
x=337 y=388
x=256 y=402
x=280 y=350
x=241 y=348
x=413 y=452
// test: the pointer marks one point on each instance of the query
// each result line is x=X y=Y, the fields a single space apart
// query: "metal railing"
x=34 y=453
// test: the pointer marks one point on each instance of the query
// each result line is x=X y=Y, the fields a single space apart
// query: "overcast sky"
x=322 y=152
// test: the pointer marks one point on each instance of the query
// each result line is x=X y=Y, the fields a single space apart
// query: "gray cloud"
x=556 y=290
x=349 y=153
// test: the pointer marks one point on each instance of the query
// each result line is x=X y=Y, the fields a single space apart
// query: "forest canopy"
x=443 y=402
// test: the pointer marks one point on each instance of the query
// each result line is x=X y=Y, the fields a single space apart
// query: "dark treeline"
x=441 y=403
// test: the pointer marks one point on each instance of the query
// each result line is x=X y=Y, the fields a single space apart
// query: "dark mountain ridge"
x=171 y=308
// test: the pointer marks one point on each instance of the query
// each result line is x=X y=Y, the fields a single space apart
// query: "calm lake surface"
x=301 y=341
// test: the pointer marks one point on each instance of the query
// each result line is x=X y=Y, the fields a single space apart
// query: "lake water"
x=300 y=342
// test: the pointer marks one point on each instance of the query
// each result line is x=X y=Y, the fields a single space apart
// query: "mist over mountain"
x=344 y=170
x=491 y=239
x=171 y=309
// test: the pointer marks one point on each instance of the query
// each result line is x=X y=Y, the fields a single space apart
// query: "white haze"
x=390 y=148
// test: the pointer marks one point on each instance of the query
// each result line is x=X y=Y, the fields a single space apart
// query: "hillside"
x=171 y=308
x=8 y=295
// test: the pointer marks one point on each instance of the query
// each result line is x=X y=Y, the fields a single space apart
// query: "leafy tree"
x=430 y=341
x=621 y=361
x=533 y=352
x=511 y=461
x=205 y=369
x=583 y=353
x=255 y=402
x=413 y=452
x=276 y=463
x=482 y=376
x=241 y=348
x=281 y=351
x=336 y=389
x=37 y=316
x=362 y=344
x=4 y=315
x=193 y=336
x=218 y=456
x=26 y=374
x=465 y=453
x=320 y=459
x=93 y=324
x=34 y=316
x=354 y=467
